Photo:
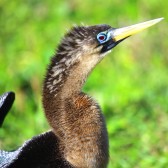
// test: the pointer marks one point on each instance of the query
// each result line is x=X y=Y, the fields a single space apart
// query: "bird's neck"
x=69 y=112
x=65 y=79
x=63 y=82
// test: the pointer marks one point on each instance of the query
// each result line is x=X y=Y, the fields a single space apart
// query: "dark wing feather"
x=6 y=101
x=39 y=152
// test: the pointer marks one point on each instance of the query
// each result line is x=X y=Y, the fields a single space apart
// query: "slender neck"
x=75 y=118
x=65 y=80
x=63 y=83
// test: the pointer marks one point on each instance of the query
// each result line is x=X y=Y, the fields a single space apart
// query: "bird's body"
x=79 y=136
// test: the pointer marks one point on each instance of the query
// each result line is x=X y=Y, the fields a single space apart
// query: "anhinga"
x=78 y=137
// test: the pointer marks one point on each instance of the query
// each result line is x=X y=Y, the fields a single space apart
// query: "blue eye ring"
x=102 y=37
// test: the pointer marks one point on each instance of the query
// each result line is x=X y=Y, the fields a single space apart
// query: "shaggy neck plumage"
x=66 y=78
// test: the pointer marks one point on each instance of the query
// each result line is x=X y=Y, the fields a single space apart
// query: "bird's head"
x=79 y=52
x=81 y=41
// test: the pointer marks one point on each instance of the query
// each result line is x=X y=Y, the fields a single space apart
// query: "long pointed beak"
x=122 y=33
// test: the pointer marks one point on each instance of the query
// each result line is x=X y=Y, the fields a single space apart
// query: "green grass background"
x=131 y=83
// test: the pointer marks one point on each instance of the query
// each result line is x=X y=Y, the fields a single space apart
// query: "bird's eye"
x=101 y=37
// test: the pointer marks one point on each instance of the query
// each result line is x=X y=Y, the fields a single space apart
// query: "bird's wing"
x=6 y=101
x=39 y=152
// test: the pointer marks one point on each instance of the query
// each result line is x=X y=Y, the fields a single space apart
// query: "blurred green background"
x=131 y=83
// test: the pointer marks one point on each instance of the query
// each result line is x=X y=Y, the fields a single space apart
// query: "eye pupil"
x=102 y=37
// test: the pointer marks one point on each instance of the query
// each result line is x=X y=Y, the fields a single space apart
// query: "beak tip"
x=159 y=19
x=154 y=21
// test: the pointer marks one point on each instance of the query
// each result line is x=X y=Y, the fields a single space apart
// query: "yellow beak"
x=121 y=33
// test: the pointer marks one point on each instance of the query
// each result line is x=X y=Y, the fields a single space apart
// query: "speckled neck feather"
x=76 y=119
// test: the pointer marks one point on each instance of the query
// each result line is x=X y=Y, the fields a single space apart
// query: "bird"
x=78 y=137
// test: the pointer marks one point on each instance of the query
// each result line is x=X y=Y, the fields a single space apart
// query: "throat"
x=63 y=83
x=65 y=79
